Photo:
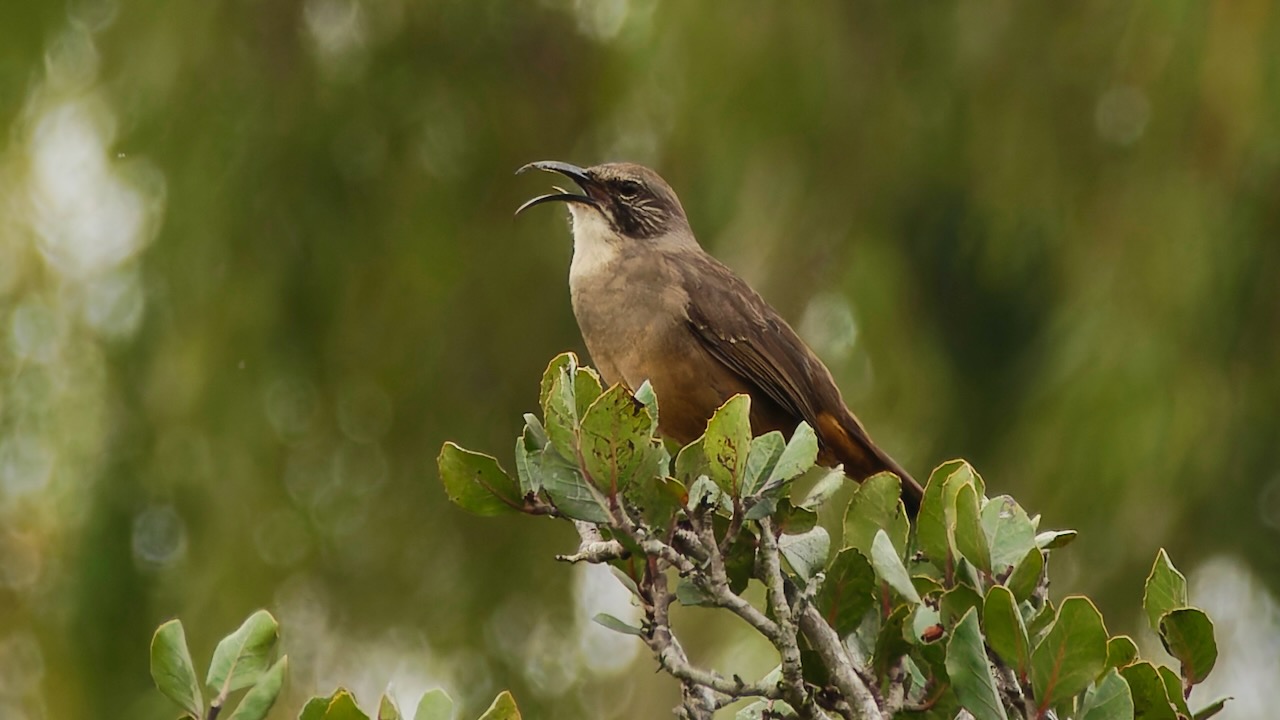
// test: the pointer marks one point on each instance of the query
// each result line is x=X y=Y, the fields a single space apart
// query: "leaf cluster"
x=244 y=659
x=949 y=613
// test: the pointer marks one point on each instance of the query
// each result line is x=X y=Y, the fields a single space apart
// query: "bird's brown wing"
x=741 y=330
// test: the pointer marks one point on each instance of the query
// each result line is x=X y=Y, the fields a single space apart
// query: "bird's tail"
x=848 y=443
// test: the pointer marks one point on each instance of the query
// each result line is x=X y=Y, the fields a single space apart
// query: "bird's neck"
x=595 y=245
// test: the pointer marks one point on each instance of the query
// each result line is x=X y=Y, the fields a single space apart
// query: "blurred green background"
x=257 y=261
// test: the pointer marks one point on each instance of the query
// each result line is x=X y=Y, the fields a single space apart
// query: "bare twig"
x=860 y=695
x=775 y=583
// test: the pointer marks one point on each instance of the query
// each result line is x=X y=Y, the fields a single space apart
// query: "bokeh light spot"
x=1122 y=114
x=26 y=463
x=159 y=537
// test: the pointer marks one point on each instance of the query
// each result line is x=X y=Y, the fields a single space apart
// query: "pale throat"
x=594 y=243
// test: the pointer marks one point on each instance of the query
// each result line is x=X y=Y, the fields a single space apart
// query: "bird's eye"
x=629 y=188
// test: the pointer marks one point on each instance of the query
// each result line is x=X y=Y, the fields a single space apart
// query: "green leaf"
x=891 y=641
x=341 y=705
x=1211 y=709
x=1039 y=622
x=848 y=592
x=476 y=483
x=616 y=625
x=586 y=389
x=1150 y=699
x=937 y=504
x=1121 y=650
x=829 y=483
x=792 y=520
x=1173 y=688
x=258 y=701
x=615 y=440
x=761 y=460
x=569 y=490
x=503 y=708
x=1010 y=534
x=1108 y=699
x=1187 y=634
x=970 y=539
x=807 y=552
x=387 y=708
x=1166 y=590
x=1006 y=634
x=528 y=468
x=1071 y=655
x=434 y=705
x=872 y=508
x=649 y=399
x=727 y=443
x=314 y=708
x=243 y=656
x=957 y=601
x=800 y=453
x=888 y=565
x=691 y=463
x=1025 y=577
x=560 y=410
x=565 y=361
x=659 y=498
x=172 y=669
x=1054 y=539
x=970 y=673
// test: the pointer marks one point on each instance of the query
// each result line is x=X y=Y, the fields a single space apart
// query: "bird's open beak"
x=573 y=172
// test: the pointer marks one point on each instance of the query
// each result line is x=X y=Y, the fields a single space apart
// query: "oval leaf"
x=807 y=552
x=1010 y=534
x=873 y=507
x=1071 y=655
x=884 y=558
x=761 y=460
x=616 y=625
x=848 y=592
x=1054 y=539
x=1150 y=699
x=1108 y=699
x=615 y=440
x=935 y=507
x=172 y=670
x=970 y=539
x=243 y=656
x=970 y=673
x=1005 y=632
x=1121 y=651
x=1025 y=577
x=727 y=443
x=258 y=701
x=797 y=457
x=476 y=483
x=1187 y=634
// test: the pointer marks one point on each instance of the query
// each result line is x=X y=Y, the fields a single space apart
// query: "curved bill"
x=556 y=197
x=573 y=172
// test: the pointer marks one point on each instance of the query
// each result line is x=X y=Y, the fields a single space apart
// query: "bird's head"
x=633 y=201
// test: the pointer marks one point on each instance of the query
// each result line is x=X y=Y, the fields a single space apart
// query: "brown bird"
x=653 y=305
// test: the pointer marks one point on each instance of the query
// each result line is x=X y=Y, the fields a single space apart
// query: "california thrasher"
x=653 y=305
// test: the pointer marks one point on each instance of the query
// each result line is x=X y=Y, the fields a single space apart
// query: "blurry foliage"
x=256 y=261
